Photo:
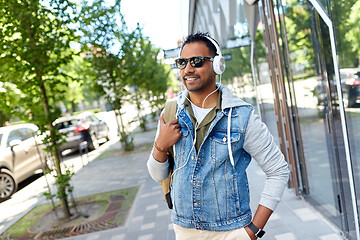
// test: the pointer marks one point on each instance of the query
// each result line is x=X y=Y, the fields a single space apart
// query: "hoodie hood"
x=229 y=100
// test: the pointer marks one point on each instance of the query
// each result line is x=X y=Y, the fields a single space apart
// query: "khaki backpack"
x=169 y=115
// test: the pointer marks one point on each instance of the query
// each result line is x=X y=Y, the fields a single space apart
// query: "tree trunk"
x=2 y=119
x=73 y=106
x=122 y=131
x=142 y=119
x=54 y=152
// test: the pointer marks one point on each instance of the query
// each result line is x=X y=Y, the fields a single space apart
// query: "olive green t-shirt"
x=204 y=126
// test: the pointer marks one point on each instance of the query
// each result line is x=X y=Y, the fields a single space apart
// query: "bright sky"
x=163 y=21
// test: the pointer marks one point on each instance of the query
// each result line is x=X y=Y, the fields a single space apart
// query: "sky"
x=163 y=21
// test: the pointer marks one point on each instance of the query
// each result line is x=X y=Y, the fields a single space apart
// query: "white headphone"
x=219 y=61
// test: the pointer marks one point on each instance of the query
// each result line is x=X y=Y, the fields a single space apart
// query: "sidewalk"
x=149 y=218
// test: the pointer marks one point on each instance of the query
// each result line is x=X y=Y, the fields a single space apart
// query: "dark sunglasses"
x=194 y=62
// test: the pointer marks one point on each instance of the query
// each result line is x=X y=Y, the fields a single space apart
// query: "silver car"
x=21 y=155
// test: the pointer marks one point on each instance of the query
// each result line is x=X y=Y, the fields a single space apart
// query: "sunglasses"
x=194 y=62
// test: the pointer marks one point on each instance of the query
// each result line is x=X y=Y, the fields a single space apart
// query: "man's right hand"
x=169 y=134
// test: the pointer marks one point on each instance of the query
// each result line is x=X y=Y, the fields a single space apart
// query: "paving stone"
x=151 y=207
x=147 y=226
x=306 y=214
x=286 y=236
x=118 y=237
x=146 y=237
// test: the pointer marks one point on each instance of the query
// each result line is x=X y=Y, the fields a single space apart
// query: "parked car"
x=350 y=80
x=21 y=155
x=82 y=127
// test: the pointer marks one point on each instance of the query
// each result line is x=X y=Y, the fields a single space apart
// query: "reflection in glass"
x=312 y=101
x=346 y=19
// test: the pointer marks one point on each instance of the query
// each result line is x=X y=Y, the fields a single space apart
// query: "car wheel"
x=7 y=185
x=93 y=143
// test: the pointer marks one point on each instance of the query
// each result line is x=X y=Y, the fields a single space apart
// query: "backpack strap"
x=169 y=115
x=170 y=110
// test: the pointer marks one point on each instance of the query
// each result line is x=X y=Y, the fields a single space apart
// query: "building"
x=298 y=63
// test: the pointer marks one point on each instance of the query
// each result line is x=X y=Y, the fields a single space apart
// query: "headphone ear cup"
x=219 y=64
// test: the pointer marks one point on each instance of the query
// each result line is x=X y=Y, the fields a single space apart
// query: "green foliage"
x=147 y=76
x=297 y=20
x=124 y=64
x=354 y=34
x=345 y=15
x=349 y=57
x=103 y=27
x=62 y=182
x=9 y=101
x=127 y=141
x=35 y=42
x=74 y=80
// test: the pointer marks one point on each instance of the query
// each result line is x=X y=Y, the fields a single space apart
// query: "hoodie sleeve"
x=259 y=143
x=158 y=171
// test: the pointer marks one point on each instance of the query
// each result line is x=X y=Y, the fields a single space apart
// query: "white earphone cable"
x=187 y=160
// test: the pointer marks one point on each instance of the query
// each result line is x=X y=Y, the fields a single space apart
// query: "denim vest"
x=208 y=192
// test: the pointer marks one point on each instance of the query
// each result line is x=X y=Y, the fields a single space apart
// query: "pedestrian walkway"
x=149 y=218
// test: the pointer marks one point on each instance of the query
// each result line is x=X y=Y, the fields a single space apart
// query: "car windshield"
x=67 y=124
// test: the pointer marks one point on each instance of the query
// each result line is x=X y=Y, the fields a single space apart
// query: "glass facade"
x=310 y=77
x=306 y=87
x=346 y=18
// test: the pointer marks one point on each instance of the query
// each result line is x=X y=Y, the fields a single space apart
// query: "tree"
x=35 y=40
x=104 y=41
x=75 y=79
x=146 y=74
x=124 y=63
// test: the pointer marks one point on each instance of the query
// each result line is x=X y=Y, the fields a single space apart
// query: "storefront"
x=303 y=75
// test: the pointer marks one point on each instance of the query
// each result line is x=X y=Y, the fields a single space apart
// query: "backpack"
x=169 y=115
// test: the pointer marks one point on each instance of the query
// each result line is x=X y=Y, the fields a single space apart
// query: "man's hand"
x=169 y=134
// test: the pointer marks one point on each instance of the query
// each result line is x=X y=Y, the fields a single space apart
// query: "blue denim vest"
x=208 y=192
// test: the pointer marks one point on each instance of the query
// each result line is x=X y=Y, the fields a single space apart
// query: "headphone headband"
x=218 y=52
x=219 y=61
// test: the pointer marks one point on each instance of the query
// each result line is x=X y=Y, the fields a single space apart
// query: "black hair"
x=201 y=37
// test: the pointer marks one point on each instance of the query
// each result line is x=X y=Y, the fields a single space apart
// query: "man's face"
x=200 y=79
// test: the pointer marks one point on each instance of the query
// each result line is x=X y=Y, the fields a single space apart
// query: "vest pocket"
x=219 y=145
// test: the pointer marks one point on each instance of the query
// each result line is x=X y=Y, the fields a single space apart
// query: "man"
x=214 y=138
